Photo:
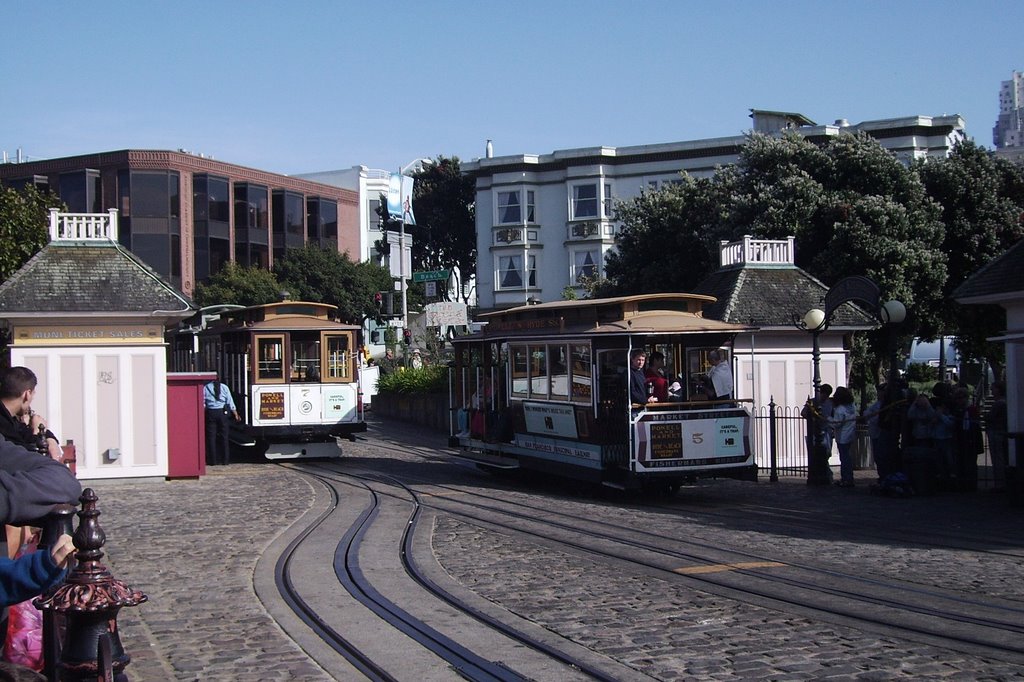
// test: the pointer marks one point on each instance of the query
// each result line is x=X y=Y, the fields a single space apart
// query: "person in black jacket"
x=30 y=485
x=18 y=423
x=637 y=378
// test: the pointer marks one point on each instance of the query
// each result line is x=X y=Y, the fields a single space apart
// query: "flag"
x=400 y=199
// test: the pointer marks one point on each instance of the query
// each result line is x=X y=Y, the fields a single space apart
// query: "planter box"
x=430 y=410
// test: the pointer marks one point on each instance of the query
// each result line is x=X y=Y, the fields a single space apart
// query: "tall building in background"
x=186 y=215
x=1009 y=128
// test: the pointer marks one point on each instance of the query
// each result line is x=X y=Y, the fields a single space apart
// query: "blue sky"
x=302 y=86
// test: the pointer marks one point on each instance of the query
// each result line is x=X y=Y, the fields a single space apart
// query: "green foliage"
x=240 y=286
x=982 y=199
x=920 y=373
x=427 y=379
x=853 y=208
x=323 y=275
x=669 y=237
x=444 y=237
x=24 y=225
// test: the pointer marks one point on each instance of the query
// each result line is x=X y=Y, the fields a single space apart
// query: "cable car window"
x=520 y=372
x=305 y=356
x=559 y=365
x=581 y=373
x=270 y=358
x=538 y=371
x=338 y=357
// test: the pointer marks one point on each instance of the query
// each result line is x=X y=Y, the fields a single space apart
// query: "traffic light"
x=378 y=300
x=407 y=336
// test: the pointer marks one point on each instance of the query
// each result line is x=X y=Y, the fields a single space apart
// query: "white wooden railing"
x=757 y=252
x=83 y=226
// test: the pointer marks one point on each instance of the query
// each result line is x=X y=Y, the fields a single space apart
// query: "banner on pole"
x=400 y=198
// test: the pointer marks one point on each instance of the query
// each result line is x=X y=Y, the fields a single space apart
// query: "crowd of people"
x=934 y=440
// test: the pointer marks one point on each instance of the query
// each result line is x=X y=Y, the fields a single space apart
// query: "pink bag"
x=24 y=643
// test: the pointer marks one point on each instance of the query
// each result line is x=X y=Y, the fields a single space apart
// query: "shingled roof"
x=76 y=278
x=995 y=281
x=773 y=296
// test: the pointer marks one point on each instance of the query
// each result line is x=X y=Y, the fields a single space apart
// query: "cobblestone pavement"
x=192 y=546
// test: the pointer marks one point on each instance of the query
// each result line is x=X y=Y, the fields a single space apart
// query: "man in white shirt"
x=719 y=377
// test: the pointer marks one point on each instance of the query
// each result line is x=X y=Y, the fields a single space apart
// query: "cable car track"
x=969 y=623
x=350 y=575
x=856 y=527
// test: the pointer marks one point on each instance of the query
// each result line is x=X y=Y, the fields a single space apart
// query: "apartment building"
x=544 y=220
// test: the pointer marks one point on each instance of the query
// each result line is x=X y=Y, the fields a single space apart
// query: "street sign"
x=431 y=276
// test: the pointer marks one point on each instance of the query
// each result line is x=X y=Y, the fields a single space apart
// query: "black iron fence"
x=780 y=445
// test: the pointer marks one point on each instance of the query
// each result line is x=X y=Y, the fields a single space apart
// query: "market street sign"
x=430 y=276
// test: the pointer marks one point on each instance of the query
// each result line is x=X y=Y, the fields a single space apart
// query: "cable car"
x=546 y=387
x=293 y=371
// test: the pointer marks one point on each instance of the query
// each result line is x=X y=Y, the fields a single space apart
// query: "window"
x=509 y=208
x=305 y=364
x=558 y=368
x=558 y=372
x=609 y=206
x=520 y=372
x=251 y=206
x=270 y=358
x=538 y=371
x=585 y=264
x=584 y=201
x=581 y=373
x=81 y=191
x=339 y=357
x=512 y=211
x=510 y=271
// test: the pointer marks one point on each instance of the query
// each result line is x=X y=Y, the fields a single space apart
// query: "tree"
x=325 y=276
x=444 y=237
x=853 y=208
x=237 y=285
x=982 y=199
x=669 y=237
x=24 y=221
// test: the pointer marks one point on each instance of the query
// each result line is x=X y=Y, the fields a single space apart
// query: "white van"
x=927 y=353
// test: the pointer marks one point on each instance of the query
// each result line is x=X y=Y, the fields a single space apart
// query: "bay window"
x=510 y=271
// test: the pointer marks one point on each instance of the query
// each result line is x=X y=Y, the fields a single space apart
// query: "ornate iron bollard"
x=89 y=601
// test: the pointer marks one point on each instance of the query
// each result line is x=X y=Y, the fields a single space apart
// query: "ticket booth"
x=89 y=319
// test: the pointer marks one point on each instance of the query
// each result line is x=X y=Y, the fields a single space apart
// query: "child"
x=35 y=573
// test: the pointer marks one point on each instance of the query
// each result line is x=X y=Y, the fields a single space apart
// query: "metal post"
x=817 y=464
x=89 y=601
x=401 y=273
x=773 y=442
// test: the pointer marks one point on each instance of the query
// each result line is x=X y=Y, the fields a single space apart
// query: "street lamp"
x=850 y=289
x=414 y=166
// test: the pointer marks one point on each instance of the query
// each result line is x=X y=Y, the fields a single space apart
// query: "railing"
x=757 y=251
x=786 y=453
x=83 y=226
